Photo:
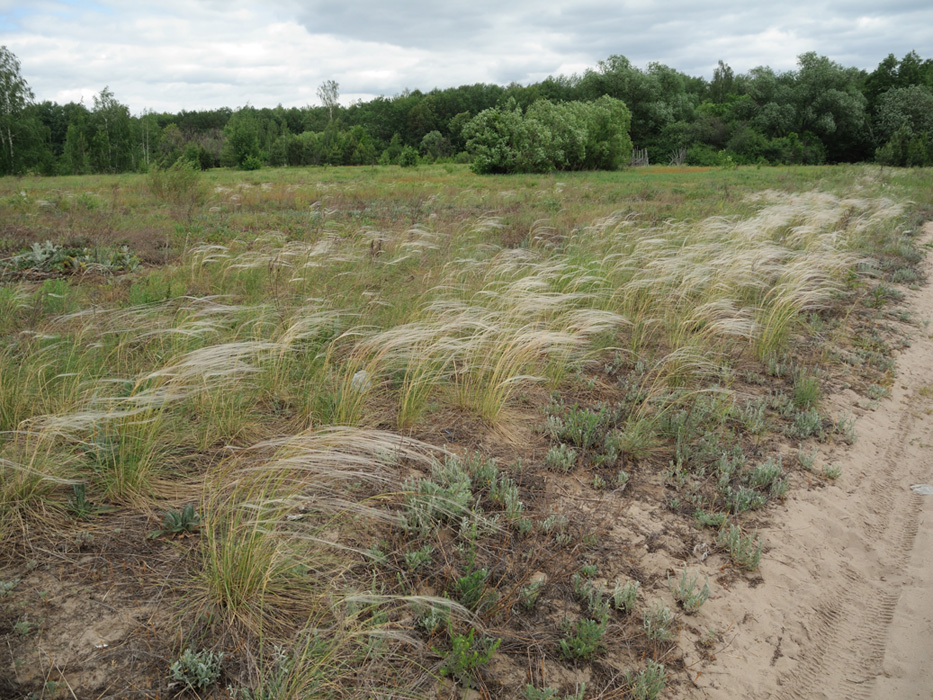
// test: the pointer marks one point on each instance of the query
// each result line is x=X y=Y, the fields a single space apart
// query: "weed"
x=470 y=589
x=657 y=621
x=767 y=476
x=419 y=557
x=845 y=426
x=743 y=499
x=706 y=519
x=197 y=669
x=528 y=595
x=577 y=426
x=7 y=586
x=562 y=458
x=744 y=550
x=753 y=416
x=444 y=496
x=625 y=595
x=24 y=628
x=467 y=655
x=686 y=593
x=647 y=684
x=435 y=620
x=78 y=503
x=583 y=639
x=806 y=391
x=806 y=460
x=832 y=471
x=807 y=423
x=178 y=522
x=554 y=524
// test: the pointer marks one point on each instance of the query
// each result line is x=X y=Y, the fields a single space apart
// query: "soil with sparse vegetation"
x=383 y=433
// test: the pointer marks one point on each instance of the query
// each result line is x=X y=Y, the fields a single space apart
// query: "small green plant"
x=706 y=519
x=687 y=593
x=577 y=426
x=443 y=497
x=832 y=471
x=656 y=621
x=743 y=499
x=7 y=586
x=178 y=522
x=470 y=589
x=561 y=458
x=529 y=692
x=197 y=669
x=419 y=557
x=807 y=423
x=753 y=416
x=845 y=426
x=554 y=524
x=625 y=595
x=24 y=628
x=647 y=684
x=767 y=477
x=806 y=391
x=528 y=596
x=584 y=639
x=436 y=619
x=806 y=460
x=744 y=550
x=467 y=655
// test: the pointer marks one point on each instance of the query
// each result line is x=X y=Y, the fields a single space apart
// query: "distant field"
x=383 y=432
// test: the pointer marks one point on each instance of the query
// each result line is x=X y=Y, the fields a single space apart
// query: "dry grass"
x=298 y=330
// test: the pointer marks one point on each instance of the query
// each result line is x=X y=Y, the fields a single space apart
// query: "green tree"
x=911 y=106
x=111 y=144
x=241 y=139
x=15 y=96
x=329 y=94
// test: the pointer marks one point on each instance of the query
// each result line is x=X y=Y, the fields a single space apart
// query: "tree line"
x=821 y=112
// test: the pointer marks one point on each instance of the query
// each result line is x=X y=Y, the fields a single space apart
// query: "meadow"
x=418 y=433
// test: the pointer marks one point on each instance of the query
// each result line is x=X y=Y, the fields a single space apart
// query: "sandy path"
x=846 y=607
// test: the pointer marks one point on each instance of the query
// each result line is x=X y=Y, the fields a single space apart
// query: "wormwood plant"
x=561 y=458
x=467 y=655
x=529 y=692
x=648 y=683
x=445 y=495
x=656 y=621
x=625 y=595
x=197 y=669
x=583 y=639
x=686 y=591
x=744 y=550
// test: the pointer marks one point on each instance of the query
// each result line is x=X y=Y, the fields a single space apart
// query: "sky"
x=203 y=54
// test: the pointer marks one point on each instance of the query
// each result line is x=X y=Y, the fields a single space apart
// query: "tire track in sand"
x=838 y=558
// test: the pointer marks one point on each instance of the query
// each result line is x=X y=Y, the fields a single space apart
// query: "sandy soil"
x=845 y=610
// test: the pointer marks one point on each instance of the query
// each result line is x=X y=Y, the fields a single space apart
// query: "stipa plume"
x=269 y=546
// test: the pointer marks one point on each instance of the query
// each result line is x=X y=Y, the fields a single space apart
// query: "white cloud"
x=195 y=54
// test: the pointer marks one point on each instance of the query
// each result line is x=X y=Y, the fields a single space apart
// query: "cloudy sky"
x=197 y=54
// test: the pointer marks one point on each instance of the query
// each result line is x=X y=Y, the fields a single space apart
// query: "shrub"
x=197 y=669
x=647 y=684
x=583 y=640
x=744 y=550
x=467 y=655
x=657 y=621
x=686 y=593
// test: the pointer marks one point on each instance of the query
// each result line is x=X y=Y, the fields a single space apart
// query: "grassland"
x=372 y=432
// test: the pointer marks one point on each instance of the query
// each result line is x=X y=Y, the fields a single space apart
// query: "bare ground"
x=845 y=609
